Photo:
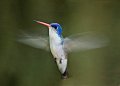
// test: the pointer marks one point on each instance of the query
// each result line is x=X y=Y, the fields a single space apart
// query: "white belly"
x=57 y=51
x=55 y=45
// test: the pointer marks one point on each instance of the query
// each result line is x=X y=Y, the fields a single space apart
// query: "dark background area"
x=22 y=65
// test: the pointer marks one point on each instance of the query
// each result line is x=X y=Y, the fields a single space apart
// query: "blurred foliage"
x=21 y=65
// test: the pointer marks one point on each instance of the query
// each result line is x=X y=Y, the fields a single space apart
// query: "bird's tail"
x=65 y=75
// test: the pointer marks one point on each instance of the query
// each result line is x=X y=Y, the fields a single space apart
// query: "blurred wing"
x=84 y=41
x=36 y=41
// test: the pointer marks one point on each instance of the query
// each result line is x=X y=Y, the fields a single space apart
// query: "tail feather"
x=65 y=75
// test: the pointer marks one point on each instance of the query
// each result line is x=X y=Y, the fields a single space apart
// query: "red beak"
x=43 y=23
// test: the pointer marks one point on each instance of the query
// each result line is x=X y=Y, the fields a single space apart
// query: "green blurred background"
x=21 y=65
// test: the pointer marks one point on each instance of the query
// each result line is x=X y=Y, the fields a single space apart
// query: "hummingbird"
x=60 y=47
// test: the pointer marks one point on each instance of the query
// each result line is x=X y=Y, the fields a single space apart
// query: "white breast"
x=55 y=44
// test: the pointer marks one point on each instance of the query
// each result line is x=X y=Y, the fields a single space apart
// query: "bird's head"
x=54 y=26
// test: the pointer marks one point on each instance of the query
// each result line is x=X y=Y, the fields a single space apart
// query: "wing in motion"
x=84 y=41
x=35 y=41
x=78 y=42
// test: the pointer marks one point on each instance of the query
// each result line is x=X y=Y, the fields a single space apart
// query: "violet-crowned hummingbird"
x=60 y=46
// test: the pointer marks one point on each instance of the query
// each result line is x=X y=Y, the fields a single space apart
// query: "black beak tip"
x=35 y=20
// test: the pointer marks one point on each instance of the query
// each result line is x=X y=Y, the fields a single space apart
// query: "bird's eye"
x=55 y=27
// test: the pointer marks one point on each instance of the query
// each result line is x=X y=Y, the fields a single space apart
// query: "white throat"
x=53 y=36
